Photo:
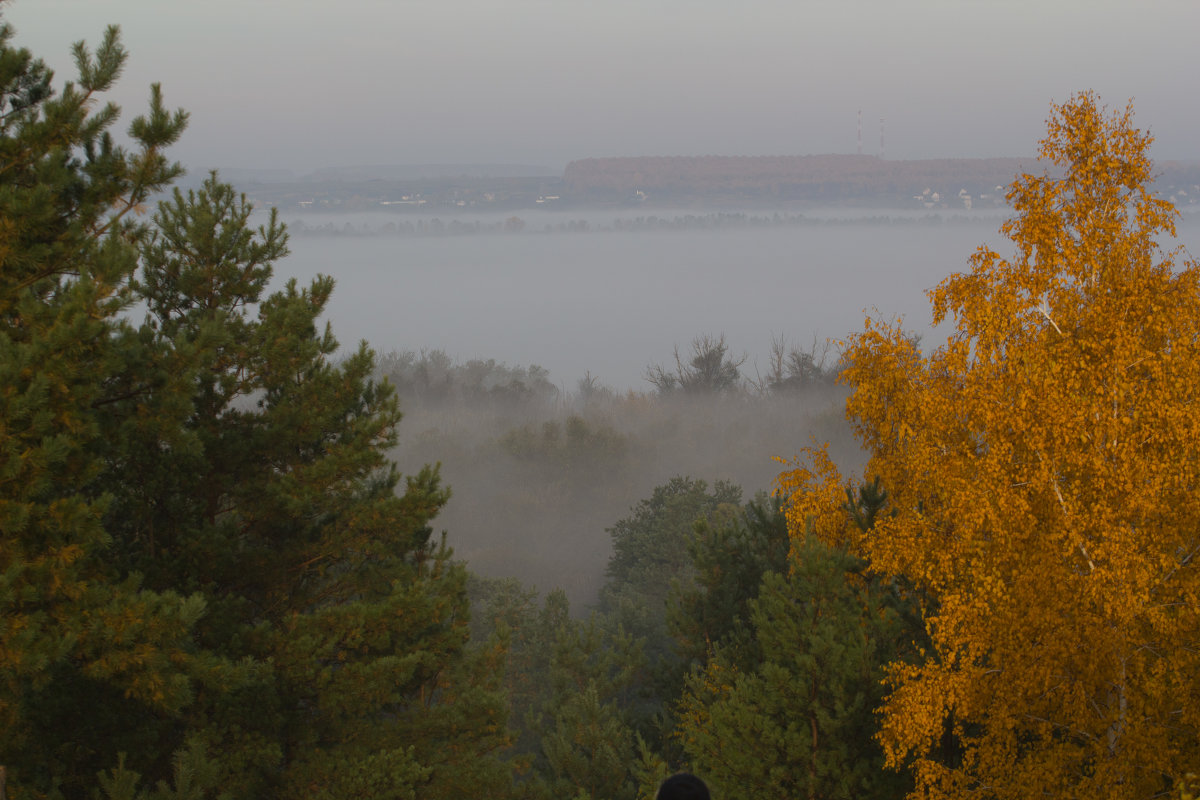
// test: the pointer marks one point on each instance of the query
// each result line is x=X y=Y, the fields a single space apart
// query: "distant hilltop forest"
x=677 y=182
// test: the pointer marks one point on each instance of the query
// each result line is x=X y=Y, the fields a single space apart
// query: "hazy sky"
x=299 y=84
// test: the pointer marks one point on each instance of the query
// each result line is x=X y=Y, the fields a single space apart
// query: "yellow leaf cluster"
x=815 y=491
x=1043 y=466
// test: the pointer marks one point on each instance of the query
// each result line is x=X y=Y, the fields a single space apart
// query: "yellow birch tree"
x=1044 y=466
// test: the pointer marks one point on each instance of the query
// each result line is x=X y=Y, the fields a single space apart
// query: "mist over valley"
x=534 y=346
x=610 y=302
x=449 y=400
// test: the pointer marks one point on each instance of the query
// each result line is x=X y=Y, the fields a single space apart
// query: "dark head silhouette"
x=682 y=787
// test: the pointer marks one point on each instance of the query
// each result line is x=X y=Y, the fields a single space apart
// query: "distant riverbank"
x=382 y=224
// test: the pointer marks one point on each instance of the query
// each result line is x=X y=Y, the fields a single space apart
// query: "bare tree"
x=790 y=367
x=711 y=369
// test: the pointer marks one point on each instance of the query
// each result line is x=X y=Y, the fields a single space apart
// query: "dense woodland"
x=215 y=581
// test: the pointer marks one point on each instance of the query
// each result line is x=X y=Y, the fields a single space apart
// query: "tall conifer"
x=206 y=558
x=67 y=251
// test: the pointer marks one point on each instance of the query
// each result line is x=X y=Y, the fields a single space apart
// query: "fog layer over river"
x=537 y=481
x=609 y=303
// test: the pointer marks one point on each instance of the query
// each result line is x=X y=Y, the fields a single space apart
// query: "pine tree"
x=587 y=743
x=276 y=501
x=69 y=196
x=730 y=556
x=207 y=558
x=800 y=722
x=650 y=561
x=650 y=551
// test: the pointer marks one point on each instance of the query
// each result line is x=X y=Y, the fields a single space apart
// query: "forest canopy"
x=212 y=576
x=216 y=583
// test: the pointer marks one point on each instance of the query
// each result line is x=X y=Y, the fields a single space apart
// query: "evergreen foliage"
x=588 y=744
x=730 y=556
x=286 y=516
x=214 y=583
x=68 y=366
x=651 y=559
x=570 y=686
x=210 y=569
x=800 y=722
x=651 y=549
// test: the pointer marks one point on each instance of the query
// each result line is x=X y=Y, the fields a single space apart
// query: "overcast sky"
x=297 y=84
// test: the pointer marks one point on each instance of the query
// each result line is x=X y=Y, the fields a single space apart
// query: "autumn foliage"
x=1043 y=466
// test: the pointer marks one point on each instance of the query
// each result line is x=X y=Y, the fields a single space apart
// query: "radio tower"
x=860 y=131
x=881 y=147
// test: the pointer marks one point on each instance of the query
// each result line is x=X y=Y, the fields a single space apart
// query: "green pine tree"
x=730 y=556
x=800 y=723
x=207 y=562
x=72 y=629
x=587 y=744
x=275 y=499
x=651 y=551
